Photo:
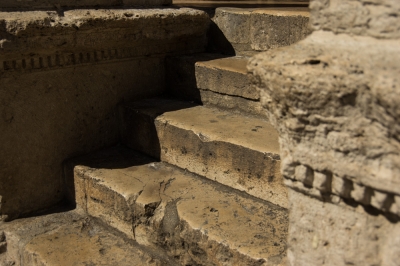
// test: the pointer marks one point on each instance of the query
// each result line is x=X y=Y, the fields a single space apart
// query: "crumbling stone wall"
x=334 y=98
x=62 y=77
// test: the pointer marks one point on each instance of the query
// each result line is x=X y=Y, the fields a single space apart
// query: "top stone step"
x=40 y=4
x=243 y=31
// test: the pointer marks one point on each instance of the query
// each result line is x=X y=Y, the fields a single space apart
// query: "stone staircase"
x=196 y=177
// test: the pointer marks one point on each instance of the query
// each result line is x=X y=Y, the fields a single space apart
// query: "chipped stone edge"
x=325 y=185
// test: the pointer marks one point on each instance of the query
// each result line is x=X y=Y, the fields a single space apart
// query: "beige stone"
x=193 y=219
x=72 y=239
x=237 y=151
x=260 y=29
x=226 y=76
x=62 y=78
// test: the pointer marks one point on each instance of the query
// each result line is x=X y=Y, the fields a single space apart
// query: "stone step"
x=53 y=4
x=69 y=238
x=195 y=220
x=257 y=29
x=235 y=150
x=215 y=81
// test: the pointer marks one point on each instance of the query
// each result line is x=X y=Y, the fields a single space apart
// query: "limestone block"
x=238 y=151
x=62 y=77
x=191 y=218
x=70 y=238
x=378 y=18
x=260 y=29
x=341 y=187
x=326 y=101
x=226 y=76
x=52 y=4
x=322 y=181
x=322 y=233
x=304 y=174
x=275 y=28
x=361 y=194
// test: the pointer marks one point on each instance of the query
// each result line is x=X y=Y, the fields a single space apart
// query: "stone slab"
x=211 y=80
x=226 y=76
x=236 y=150
x=195 y=220
x=54 y=4
x=69 y=238
x=141 y=32
x=260 y=29
x=232 y=103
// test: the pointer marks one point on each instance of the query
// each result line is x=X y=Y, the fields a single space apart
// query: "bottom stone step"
x=66 y=239
x=197 y=221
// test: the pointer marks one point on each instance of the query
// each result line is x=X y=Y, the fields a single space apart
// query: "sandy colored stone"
x=193 y=219
x=237 y=151
x=62 y=78
x=69 y=238
x=58 y=4
x=226 y=76
x=378 y=18
x=341 y=135
x=260 y=29
x=328 y=234
x=232 y=104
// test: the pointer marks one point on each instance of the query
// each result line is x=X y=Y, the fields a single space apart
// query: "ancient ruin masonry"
x=141 y=134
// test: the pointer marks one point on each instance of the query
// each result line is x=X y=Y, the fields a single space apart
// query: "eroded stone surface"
x=328 y=234
x=377 y=18
x=261 y=29
x=237 y=151
x=196 y=221
x=71 y=239
x=336 y=107
x=62 y=77
x=226 y=76
x=58 y=4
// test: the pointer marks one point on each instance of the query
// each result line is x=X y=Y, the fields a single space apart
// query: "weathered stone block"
x=260 y=29
x=192 y=219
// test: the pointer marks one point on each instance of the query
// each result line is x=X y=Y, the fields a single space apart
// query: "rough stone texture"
x=328 y=234
x=211 y=80
x=334 y=100
x=232 y=149
x=232 y=104
x=42 y=4
x=226 y=76
x=376 y=18
x=336 y=108
x=237 y=151
x=195 y=220
x=71 y=239
x=263 y=28
x=61 y=80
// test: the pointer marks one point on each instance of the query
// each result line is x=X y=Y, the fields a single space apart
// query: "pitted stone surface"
x=376 y=18
x=335 y=106
x=195 y=220
x=71 y=239
x=260 y=29
x=58 y=4
x=62 y=76
x=236 y=150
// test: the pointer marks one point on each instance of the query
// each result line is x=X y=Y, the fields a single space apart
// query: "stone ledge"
x=113 y=33
x=42 y=4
